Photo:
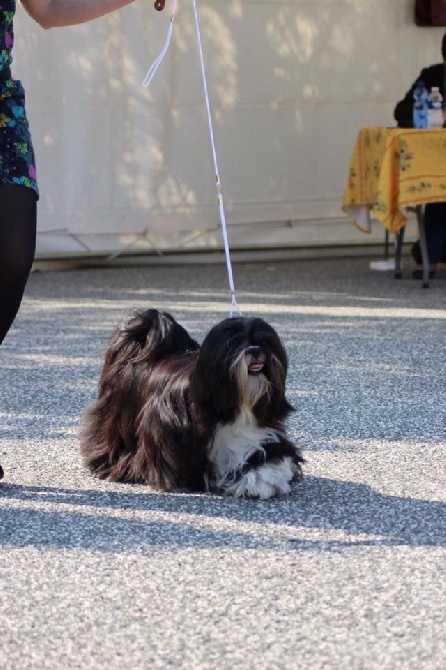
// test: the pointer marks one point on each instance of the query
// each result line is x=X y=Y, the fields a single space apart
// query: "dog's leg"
x=253 y=463
x=273 y=478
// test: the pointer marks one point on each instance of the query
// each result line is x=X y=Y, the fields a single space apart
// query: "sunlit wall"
x=122 y=167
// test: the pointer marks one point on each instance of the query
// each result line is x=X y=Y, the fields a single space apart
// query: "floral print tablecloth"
x=392 y=169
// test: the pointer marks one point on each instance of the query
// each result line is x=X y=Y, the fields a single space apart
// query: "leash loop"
x=157 y=62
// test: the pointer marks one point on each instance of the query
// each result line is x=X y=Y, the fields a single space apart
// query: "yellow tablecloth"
x=392 y=169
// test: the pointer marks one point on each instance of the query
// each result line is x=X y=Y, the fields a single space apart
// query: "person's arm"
x=403 y=112
x=56 y=13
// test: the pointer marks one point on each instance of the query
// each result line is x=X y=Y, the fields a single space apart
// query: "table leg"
x=423 y=245
x=399 y=237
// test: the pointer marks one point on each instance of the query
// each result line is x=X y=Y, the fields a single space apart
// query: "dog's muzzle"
x=255 y=359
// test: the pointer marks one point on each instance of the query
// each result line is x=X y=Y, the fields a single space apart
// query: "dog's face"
x=248 y=369
x=242 y=366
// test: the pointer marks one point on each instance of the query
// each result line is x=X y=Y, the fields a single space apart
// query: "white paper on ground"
x=383 y=266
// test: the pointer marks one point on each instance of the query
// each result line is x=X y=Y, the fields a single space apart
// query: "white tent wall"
x=122 y=168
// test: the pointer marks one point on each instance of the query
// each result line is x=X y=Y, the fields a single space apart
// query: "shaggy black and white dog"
x=175 y=415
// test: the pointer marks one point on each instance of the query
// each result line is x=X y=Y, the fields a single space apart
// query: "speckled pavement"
x=346 y=573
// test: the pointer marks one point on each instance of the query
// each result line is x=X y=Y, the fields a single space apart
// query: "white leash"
x=148 y=78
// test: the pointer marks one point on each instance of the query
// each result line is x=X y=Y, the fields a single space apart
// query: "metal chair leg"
x=399 y=237
x=423 y=245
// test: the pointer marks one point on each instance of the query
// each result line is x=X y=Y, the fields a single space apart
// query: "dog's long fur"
x=178 y=416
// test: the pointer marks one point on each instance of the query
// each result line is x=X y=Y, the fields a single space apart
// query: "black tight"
x=18 y=216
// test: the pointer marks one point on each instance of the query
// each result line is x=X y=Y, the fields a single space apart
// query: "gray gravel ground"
x=346 y=573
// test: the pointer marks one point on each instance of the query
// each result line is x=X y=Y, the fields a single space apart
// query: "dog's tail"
x=108 y=428
x=149 y=337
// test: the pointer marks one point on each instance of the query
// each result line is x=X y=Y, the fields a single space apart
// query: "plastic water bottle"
x=435 y=108
x=420 y=105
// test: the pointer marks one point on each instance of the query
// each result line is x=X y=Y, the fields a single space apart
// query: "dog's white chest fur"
x=231 y=448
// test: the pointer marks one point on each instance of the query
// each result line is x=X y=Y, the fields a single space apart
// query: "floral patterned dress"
x=17 y=164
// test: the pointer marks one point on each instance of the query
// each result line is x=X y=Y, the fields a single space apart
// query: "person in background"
x=18 y=182
x=434 y=213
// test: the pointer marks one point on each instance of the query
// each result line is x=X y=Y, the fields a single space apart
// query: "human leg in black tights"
x=435 y=231
x=18 y=215
x=435 y=227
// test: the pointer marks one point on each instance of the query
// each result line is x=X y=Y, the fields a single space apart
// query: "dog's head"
x=242 y=367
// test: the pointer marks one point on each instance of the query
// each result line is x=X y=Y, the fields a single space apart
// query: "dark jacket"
x=432 y=76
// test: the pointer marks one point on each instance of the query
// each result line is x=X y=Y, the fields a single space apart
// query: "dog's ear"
x=213 y=388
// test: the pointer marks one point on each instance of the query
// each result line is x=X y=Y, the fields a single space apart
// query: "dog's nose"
x=253 y=351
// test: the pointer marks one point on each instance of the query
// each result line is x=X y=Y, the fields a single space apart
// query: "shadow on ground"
x=318 y=503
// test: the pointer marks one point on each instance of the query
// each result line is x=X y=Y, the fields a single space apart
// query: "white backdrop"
x=121 y=167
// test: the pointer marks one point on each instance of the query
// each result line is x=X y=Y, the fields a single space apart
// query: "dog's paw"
x=263 y=482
